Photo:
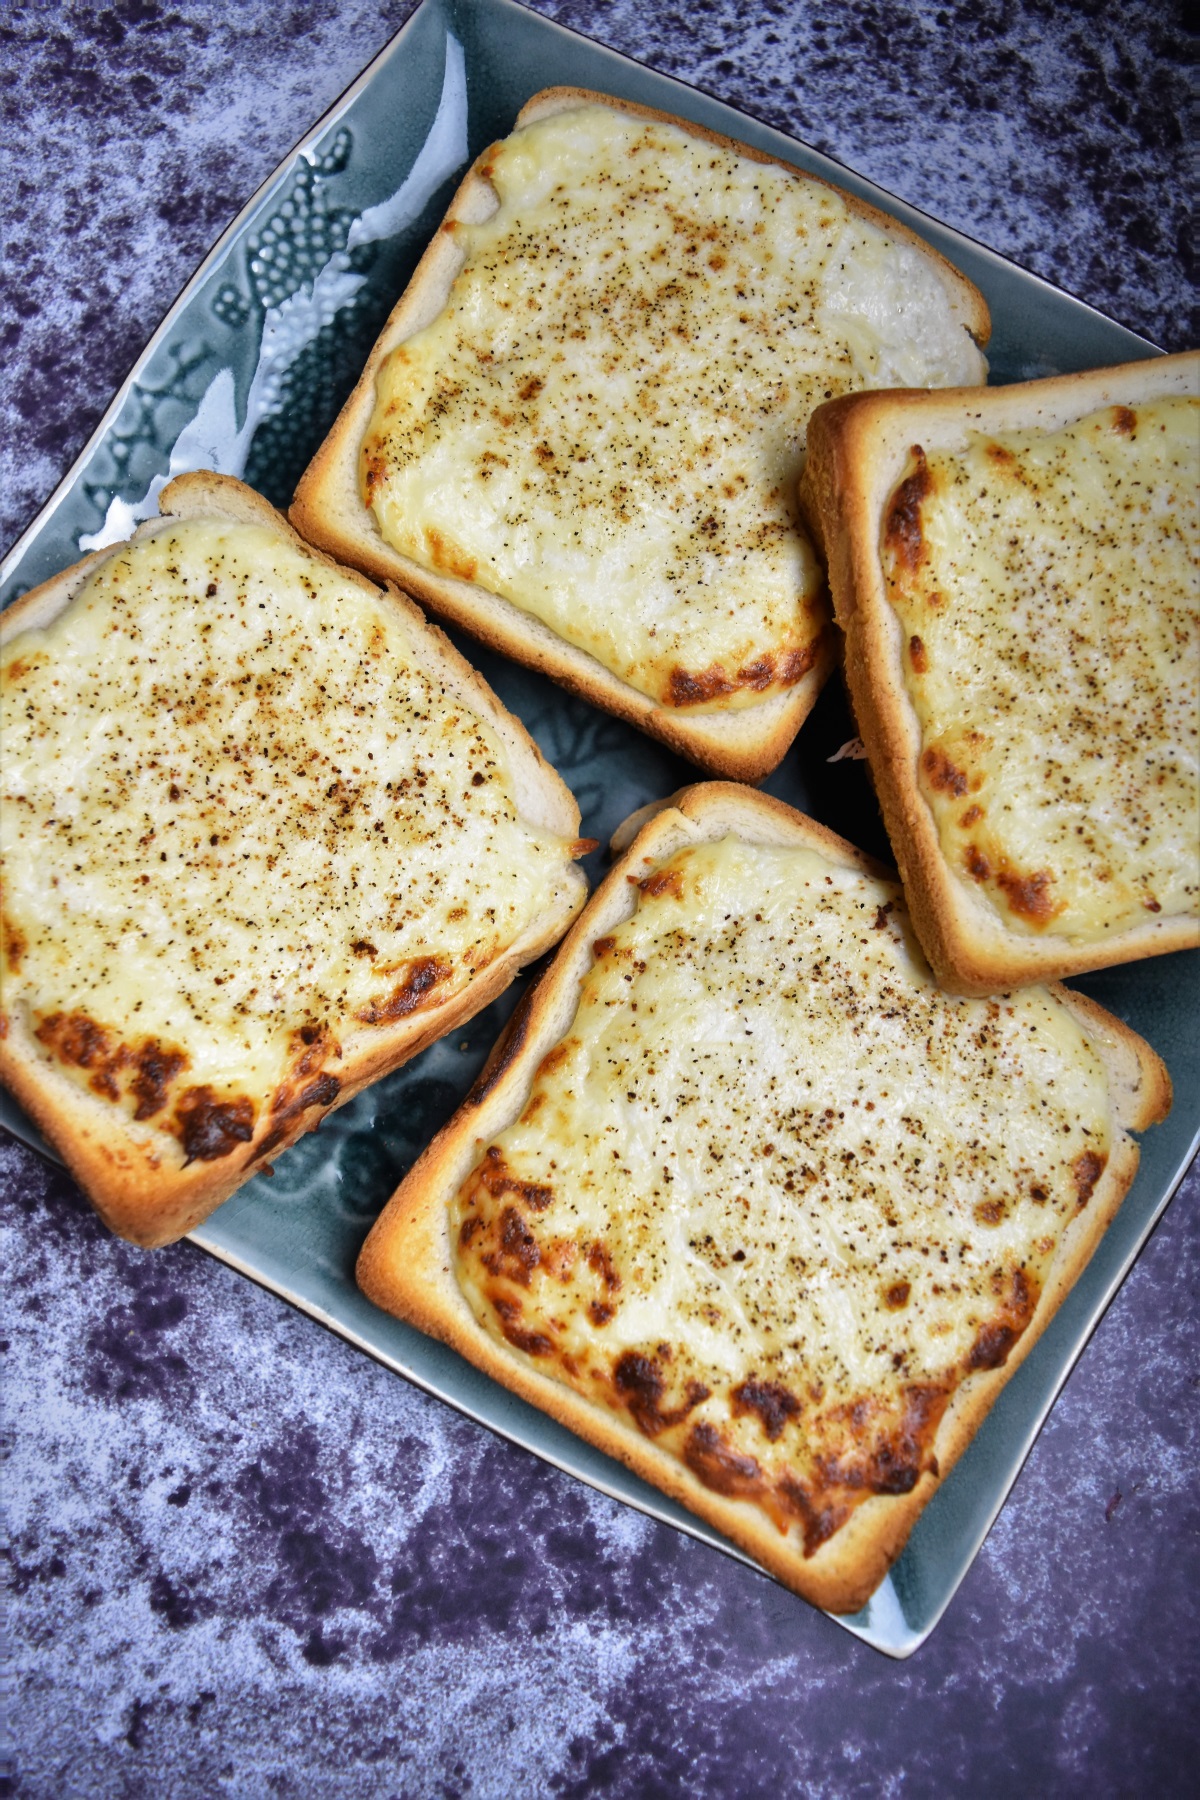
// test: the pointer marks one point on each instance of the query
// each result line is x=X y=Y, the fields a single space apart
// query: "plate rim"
x=903 y=210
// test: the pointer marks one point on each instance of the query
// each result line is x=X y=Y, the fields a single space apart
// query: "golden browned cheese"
x=1047 y=590
x=605 y=422
x=241 y=821
x=774 y=1195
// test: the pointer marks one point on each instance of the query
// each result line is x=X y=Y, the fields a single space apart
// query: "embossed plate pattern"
x=245 y=374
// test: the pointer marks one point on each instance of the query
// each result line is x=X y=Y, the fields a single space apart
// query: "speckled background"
x=246 y=1560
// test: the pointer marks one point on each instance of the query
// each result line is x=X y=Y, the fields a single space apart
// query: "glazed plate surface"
x=245 y=375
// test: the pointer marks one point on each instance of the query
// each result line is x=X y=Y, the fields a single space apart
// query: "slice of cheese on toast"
x=580 y=432
x=1017 y=574
x=748 y=1201
x=265 y=835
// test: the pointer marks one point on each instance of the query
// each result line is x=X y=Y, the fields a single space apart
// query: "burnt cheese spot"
x=496 y=1179
x=146 y=1070
x=640 y=1382
x=1087 y=1169
x=720 y=1468
x=883 y=1450
x=515 y=1253
x=290 y=1103
x=374 y=471
x=687 y=689
x=942 y=773
x=156 y=1069
x=599 y=1259
x=1017 y=1294
x=795 y=664
x=422 y=975
x=883 y=1454
x=902 y=531
x=773 y=1404
x=75 y=1038
x=898 y=1459
x=663 y=881
x=532 y=1343
x=15 y=943
x=209 y=1126
x=1030 y=895
x=445 y=554
x=818 y=1521
x=700 y=687
x=992 y=1345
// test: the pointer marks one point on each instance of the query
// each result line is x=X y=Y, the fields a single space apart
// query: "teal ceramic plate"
x=245 y=375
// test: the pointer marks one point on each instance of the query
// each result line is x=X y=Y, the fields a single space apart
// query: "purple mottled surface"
x=248 y=1561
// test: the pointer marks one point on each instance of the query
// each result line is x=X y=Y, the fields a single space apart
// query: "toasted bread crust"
x=745 y=743
x=131 y=1171
x=856 y=448
x=406 y=1265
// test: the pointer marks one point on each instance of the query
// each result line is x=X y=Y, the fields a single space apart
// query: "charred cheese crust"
x=258 y=830
x=734 y=1203
x=581 y=431
x=1016 y=574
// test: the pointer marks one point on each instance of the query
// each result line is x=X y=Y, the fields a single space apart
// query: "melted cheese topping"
x=775 y=1193
x=1049 y=605
x=236 y=808
x=605 y=424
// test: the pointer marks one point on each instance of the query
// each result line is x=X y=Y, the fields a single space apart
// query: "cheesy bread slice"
x=1017 y=573
x=264 y=836
x=581 y=430
x=747 y=1200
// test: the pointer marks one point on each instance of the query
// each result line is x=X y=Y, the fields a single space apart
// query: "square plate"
x=245 y=375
